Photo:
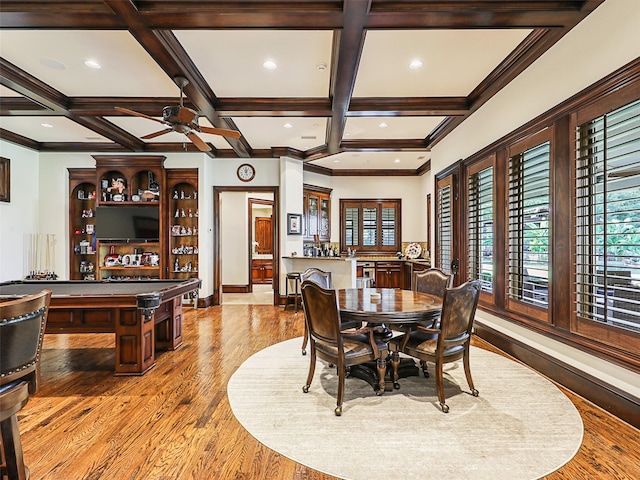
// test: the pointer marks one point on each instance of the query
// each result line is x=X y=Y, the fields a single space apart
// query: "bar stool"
x=295 y=294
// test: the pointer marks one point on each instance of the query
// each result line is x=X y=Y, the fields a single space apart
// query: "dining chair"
x=330 y=343
x=22 y=324
x=433 y=281
x=323 y=279
x=445 y=342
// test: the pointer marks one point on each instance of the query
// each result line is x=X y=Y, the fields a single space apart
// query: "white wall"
x=20 y=216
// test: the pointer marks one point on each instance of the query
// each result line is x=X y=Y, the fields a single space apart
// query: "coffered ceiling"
x=344 y=95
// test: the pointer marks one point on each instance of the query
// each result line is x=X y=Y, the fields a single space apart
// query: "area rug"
x=520 y=427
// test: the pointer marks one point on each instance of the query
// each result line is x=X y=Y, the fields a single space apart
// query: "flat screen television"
x=127 y=224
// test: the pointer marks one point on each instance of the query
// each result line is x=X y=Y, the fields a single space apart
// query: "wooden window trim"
x=371 y=203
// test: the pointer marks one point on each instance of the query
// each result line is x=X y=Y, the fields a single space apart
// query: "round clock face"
x=246 y=172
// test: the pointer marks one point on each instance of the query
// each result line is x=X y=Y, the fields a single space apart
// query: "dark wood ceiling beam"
x=199 y=91
x=295 y=14
x=351 y=41
x=273 y=107
x=105 y=106
x=27 y=85
x=65 y=147
x=407 y=106
x=19 y=139
x=165 y=49
x=381 y=145
x=21 y=106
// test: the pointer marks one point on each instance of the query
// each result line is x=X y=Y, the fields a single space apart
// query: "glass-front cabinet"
x=317 y=213
x=82 y=234
x=182 y=188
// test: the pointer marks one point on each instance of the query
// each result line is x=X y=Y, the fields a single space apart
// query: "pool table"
x=145 y=315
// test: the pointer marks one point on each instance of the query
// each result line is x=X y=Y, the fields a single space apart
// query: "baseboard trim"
x=235 y=289
x=612 y=399
x=204 y=302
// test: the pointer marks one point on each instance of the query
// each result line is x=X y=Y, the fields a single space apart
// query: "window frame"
x=472 y=170
x=601 y=332
x=516 y=305
x=378 y=204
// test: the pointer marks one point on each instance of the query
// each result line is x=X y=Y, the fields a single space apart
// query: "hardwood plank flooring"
x=175 y=422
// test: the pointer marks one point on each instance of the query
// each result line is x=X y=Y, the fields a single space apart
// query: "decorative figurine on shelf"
x=117 y=189
x=175 y=194
x=196 y=214
x=176 y=266
x=183 y=231
x=195 y=195
x=177 y=213
x=190 y=213
x=189 y=232
x=182 y=194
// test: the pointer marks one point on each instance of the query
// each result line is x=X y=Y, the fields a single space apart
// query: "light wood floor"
x=175 y=422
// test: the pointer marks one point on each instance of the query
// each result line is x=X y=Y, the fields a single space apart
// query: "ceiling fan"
x=182 y=119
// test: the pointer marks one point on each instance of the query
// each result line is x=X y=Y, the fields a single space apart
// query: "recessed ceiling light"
x=321 y=67
x=92 y=64
x=336 y=161
x=56 y=65
x=382 y=125
x=270 y=65
x=415 y=64
x=397 y=160
x=46 y=125
x=287 y=125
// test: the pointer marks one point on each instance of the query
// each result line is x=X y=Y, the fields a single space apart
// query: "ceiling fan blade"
x=137 y=114
x=156 y=134
x=186 y=115
x=221 y=131
x=197 y=141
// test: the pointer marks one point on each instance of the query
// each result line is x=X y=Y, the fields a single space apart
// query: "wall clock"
x=246 y=172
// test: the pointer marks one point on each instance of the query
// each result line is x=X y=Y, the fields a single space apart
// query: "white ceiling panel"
x=232 y=61
x=59 y=129
x=454 y=61
x=374 y=160
x=57 y=58
x=263 y=132
x=390 y=127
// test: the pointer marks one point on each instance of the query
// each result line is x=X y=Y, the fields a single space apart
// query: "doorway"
x=260 y=253
x=230 y=219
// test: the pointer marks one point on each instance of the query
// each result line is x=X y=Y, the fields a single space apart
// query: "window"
x=480 y=225
x=444 y=232
x=528 y=225
x=608 y=218
x=370 y=225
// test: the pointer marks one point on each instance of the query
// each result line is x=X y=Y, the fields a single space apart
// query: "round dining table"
x=386 y=309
